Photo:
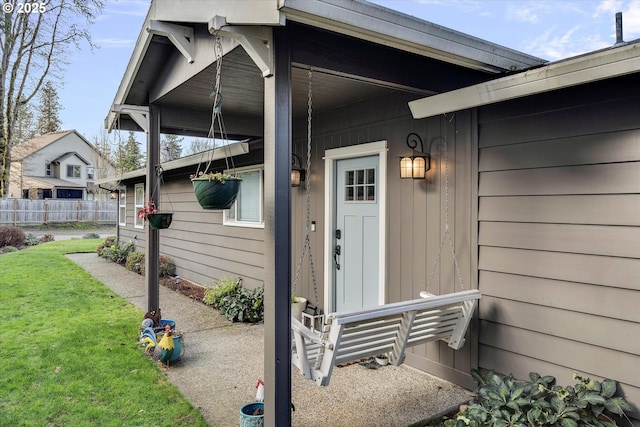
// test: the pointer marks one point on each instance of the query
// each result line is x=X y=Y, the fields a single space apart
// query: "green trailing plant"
x=212 y=176
x=505 y=401
x=7 y=249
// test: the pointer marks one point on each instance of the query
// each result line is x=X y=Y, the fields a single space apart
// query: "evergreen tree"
x=49 y=109
x=170 y=147
x=128 y=155
x=25 y=127
x=33 y=46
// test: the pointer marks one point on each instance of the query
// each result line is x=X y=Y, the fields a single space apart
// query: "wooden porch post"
x=277 y=206
x=152 y=242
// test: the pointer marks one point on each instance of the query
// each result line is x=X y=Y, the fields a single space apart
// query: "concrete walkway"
x=222 y=362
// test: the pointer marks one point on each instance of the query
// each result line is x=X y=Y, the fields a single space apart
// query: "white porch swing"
x=387 y=329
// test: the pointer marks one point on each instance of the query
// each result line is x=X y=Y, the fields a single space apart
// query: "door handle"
x=336 y=252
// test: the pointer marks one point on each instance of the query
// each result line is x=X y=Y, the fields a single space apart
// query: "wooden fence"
x=22 y=212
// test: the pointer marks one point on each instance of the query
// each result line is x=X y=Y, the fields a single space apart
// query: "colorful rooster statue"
x=260 y=392
x=164 y=350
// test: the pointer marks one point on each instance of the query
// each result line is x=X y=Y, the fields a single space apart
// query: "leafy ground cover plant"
x=505 y=401
x=235 y=302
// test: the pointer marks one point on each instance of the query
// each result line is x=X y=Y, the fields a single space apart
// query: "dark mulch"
x=185 y=287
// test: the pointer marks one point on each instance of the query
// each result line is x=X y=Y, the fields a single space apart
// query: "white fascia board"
x=139 y=51
x=244 y=12
x=377 y=24
x=601 y=65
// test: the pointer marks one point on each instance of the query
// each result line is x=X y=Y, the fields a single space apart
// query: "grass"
x=68 y=349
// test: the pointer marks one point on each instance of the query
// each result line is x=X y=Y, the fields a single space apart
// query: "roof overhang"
x=599 y=65
x=155 y=68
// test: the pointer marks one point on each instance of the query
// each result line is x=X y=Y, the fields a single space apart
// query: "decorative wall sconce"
x=298 y=174
x=415 y=166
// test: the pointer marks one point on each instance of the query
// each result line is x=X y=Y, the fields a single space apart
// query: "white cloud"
x=608 y=7
x=553 y=45
x=115 y=42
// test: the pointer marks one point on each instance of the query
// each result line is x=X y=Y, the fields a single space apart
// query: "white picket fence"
x=22 y=212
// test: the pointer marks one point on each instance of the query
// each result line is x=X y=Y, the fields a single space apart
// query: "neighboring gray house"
x=542 y=192
x=58 y=165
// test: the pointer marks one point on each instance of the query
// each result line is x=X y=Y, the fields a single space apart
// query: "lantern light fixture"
x=298 y=174
x=416 y=165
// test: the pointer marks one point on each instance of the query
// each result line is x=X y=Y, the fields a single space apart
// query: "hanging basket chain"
x=216 y=114
x=307 y=240
x=159 y=186
x=447 y=231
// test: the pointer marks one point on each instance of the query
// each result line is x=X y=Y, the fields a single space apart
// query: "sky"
x=548 y=29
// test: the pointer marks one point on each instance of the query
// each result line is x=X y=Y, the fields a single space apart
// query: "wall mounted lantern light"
x=415 y=166
x=298 y=174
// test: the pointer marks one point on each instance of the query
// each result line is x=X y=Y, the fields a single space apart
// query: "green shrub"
x=91 y=236
x=504 y=401
x=108 y=242
x=166 y=266
x=118 y=253
x=135 y=262
x=236 y=303
x=11 y=236
x=221 y=288
x=8 y=249
x=31 y=239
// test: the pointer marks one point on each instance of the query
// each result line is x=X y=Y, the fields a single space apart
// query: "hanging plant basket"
x=159 y=220
x=213 y=194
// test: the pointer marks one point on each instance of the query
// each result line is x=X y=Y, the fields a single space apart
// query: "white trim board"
x=558 y=75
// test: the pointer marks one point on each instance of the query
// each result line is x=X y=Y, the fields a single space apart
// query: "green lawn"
x=68 y=349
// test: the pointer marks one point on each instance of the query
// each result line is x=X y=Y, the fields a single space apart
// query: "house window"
x=139 y=204
x=246 y=211
x=91 y=174
x=47 y=169
x=73 y=171
x=122 y=207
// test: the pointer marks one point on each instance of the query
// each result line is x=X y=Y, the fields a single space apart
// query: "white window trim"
x=122 y=197
x=48 y=169
x=248 y=224
x=93 y=170
x=137 y=223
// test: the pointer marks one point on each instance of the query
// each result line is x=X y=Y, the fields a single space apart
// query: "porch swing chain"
x=307 y=240
x=447 y=232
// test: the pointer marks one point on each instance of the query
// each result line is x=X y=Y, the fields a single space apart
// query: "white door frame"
x=330 y=156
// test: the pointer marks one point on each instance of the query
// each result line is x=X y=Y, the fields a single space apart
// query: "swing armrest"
x=307 y=333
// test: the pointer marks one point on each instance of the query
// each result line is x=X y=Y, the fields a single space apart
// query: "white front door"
x=354 y=219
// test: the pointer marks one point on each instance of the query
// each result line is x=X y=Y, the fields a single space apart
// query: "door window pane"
x=360 y=185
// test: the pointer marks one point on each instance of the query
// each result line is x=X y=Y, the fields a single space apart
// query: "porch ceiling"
x=358 y=51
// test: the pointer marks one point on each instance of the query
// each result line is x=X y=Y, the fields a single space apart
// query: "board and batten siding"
x=415 y=212
x=559 y=234
x=202 y=248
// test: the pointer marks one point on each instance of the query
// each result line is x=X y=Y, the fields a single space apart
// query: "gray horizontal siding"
x=559 y=235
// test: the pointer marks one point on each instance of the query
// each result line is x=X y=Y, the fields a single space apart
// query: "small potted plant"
x=156 y=219
x=215 y=190
x=298 y=304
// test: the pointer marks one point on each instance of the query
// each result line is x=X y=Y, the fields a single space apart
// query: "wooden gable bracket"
x=256 y=41
x=180 y=35
x=138 y=114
